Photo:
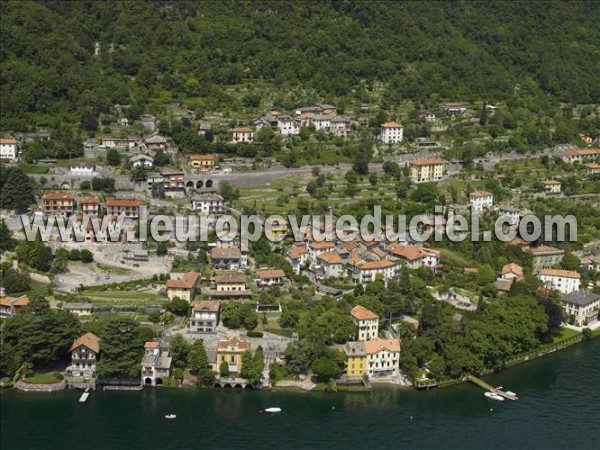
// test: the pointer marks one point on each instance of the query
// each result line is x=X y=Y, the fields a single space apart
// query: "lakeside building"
x=230 y=351
x=391 y=133
x=426 y=170
x=565 y=281
x=59 y=204
x=583 y=307
x=124 y=143
x=366 y=321
x=205 y=316
x=356 y=359
x=383 y=357
x=156 y=364
x=84 y=355
x=185 y=287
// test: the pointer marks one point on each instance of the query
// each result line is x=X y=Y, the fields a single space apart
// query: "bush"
x=254 y=334
x=59 y=376
x=177 y=373
x=586 y=333
x=86 y=256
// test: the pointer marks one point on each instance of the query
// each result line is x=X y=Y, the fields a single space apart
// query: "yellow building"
x=184 y=287
x=426 y=170
x=356 y=359
x=202 y=163
x=231 y=351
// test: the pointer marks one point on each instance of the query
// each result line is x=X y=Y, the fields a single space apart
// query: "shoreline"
x=339 y=388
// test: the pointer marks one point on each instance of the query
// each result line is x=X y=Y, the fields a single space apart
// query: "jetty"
x=84 y=396
x=482 y=384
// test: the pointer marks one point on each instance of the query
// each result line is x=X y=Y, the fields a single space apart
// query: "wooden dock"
x=482 y=384
x=84 y=396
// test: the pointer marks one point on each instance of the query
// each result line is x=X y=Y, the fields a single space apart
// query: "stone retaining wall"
x=30 y=387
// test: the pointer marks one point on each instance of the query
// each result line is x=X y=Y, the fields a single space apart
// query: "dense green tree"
x=16 y=189
x=122 y=348
x=15 y=281
x=112 y=157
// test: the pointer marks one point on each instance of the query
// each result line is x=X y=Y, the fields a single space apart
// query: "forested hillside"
x=183 y=50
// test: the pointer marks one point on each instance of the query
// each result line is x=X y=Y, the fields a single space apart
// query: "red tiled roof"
x=152 y=344
x=7 y=141
x=359 y=312
x=89 y=201
x=59 y=196
x=188 y=281
x=543 y=249
x=425 y=161
x=241 y=344
x=225 y=253
x=551 y=182
x=560 y=273
x=243 y=130
x=233 y=279
x=207 y=157
x=296 y=252
x=391 y=125
x=376 y=345
x=582 y=152
x=270 y=273
x=207 y=305
x=373 y=265
x=88 y=340
x=330 y=257
x=479 y=193
x=122 y=202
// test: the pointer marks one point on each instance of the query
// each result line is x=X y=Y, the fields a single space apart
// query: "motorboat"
x=170 y=416
x=512 y=393
x=494 y=396
x=272 y=410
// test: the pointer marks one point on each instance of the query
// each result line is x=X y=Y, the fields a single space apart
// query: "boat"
x=170 y=416
x=494 y=396
x=512 y=393
x=272 y=410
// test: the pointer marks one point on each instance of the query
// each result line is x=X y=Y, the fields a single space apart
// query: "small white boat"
x=494 y=396
x=170 y=416
x=512 y=393
x=272 y=410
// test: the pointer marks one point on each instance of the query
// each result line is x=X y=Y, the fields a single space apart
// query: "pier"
x=84 y=396
x=482 y=384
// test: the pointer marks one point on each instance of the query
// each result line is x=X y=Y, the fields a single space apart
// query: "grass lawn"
x=122 y=298
x=564 y=334
x=42 y=378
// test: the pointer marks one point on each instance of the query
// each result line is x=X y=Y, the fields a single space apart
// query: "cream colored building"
x=426 y=170
x=383 y=357
x=366 y=321
x=184 y=287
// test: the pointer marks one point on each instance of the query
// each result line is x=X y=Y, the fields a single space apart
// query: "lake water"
x=558 y=407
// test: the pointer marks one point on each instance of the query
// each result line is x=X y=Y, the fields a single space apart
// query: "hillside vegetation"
x=189 y=52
